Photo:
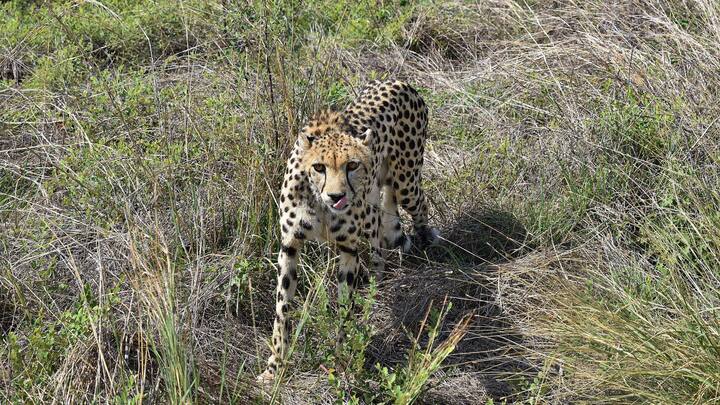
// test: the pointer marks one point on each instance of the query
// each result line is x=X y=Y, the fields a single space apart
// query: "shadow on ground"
x=459 y=270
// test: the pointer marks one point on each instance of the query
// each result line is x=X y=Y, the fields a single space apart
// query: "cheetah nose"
x=335 y=197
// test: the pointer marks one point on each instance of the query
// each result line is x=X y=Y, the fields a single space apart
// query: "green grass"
x=572 y=167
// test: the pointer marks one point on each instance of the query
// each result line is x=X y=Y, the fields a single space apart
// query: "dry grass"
x=572 y=169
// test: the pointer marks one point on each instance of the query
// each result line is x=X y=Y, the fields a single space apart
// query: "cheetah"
x=345 y=177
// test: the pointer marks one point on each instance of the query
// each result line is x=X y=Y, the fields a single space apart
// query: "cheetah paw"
x=434 y=237
x=406 y=244
x=266 y=377
x=426 y=237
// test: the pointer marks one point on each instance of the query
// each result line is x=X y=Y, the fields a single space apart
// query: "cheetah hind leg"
x=425 y=236
x=393 y=235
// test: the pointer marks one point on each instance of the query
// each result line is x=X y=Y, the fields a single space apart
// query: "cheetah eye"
x=320 y=168
x=352 y=166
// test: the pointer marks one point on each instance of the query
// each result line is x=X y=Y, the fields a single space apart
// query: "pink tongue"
x=340 y=204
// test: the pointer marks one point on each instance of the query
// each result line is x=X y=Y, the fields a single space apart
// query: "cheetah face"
x=338 y=167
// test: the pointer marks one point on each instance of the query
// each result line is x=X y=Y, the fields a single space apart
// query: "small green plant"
x=349 y=355
x=34 y=358
x=535 y=391
x=405 y=384
x=159 y=293
x=239 y=290
x=128 y=392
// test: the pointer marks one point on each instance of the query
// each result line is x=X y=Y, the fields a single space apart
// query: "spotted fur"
x=345 y=178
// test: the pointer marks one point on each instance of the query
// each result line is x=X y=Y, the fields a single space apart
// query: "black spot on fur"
x=289 y=250
x=348 y=250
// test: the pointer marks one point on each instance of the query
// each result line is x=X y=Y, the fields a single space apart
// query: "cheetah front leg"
x=347 y=276
x=285 y=291
x=348 y=271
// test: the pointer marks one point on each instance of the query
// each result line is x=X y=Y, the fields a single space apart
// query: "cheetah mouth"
x=342 y=203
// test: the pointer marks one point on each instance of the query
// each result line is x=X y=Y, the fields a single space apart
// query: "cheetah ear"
x=307 y=139
x=367 y=137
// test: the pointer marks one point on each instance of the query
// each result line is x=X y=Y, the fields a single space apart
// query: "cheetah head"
x=338 y=166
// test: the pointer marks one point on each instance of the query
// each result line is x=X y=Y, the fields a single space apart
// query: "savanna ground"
x=572 y=167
